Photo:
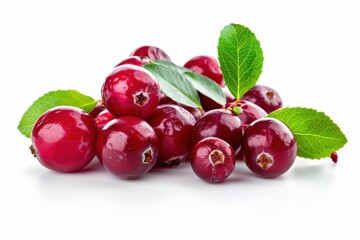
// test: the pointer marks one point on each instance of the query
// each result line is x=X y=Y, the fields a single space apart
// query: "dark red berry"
x=63 y=139
x=334 y=157
x=151 y=52
x=265 y=97
x=97 y=109
x=103 y=118
x=209 y=104
x=269 y=148
x=135 y=60
x=173 y=125
x=127 y=147
x=196 y=112
x=207 y=66
x=219 y=123
x=131 y=90
x=212 y=159
x=249 y=112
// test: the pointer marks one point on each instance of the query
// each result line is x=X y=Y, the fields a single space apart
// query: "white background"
x=312 y=54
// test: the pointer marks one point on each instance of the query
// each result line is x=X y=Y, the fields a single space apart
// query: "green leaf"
x=50 y=100
x=317 y=136
x=203 y=84
x=174 y=85
x=241 y=58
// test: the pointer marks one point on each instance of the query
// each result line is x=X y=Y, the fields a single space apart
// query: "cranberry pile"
x=135 y=127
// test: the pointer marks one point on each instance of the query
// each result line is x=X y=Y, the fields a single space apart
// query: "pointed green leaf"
x=317 y=136
x=241 y=58
x=203 y=84
x=174 y=85
x=50 y=100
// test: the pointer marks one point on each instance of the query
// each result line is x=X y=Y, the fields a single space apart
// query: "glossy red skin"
x=272 y=137
x=197 y=114
x=204 y=168
x=173 y=125
x=121 y=87
x=207 y=66
x=219 y=123
x=334 y=157
x=250 y=112
x=103 y=118
x=64 y=139
x=259 y=95
x=151 y=52
x=121 y=144
x=135 y=60
x=97 y=109
x=209 y=104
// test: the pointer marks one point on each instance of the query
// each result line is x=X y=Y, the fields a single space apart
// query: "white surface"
x=311 y=53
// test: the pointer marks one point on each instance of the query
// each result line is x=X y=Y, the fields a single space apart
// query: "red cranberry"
x=196 y=112
x=265 y=97
x=218 y=123
x=207 y=66
x=103 y=118
x=127 y=147
x=269 y=148
x=334 y=157
x=97 y=109
x=151 y=52
x=173 y=126
x=249 y=112
x=135 y=60
x=63 y=139
x=131 y=90
x=209 y=104
x=212 y=159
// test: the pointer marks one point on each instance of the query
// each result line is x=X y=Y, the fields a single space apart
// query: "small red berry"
x=207 y=66
x=249 y=112
x=269 y=148
x=219 y=123
x=127 y=147
x=131 y=90
x=334 y=157
x=173 y=125
x=63 y=139
x=212 y=160
x=265 y=97
x=103 y=118
x=151 y=52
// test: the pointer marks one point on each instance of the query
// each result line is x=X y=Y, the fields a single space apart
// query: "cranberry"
x=212 y=159
x=151 y=52
x=135 y=60
x=131 y=90
x=249 y=112
x=127 y=147
x=209 y=104
x=173 y=126
x=265 y=97
x=269 y=148
x=196 y=112
x=97 y=109
x=334 y=157
x=103 y=118
x=63 y=139
x=219 y=123
x=207 y=66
